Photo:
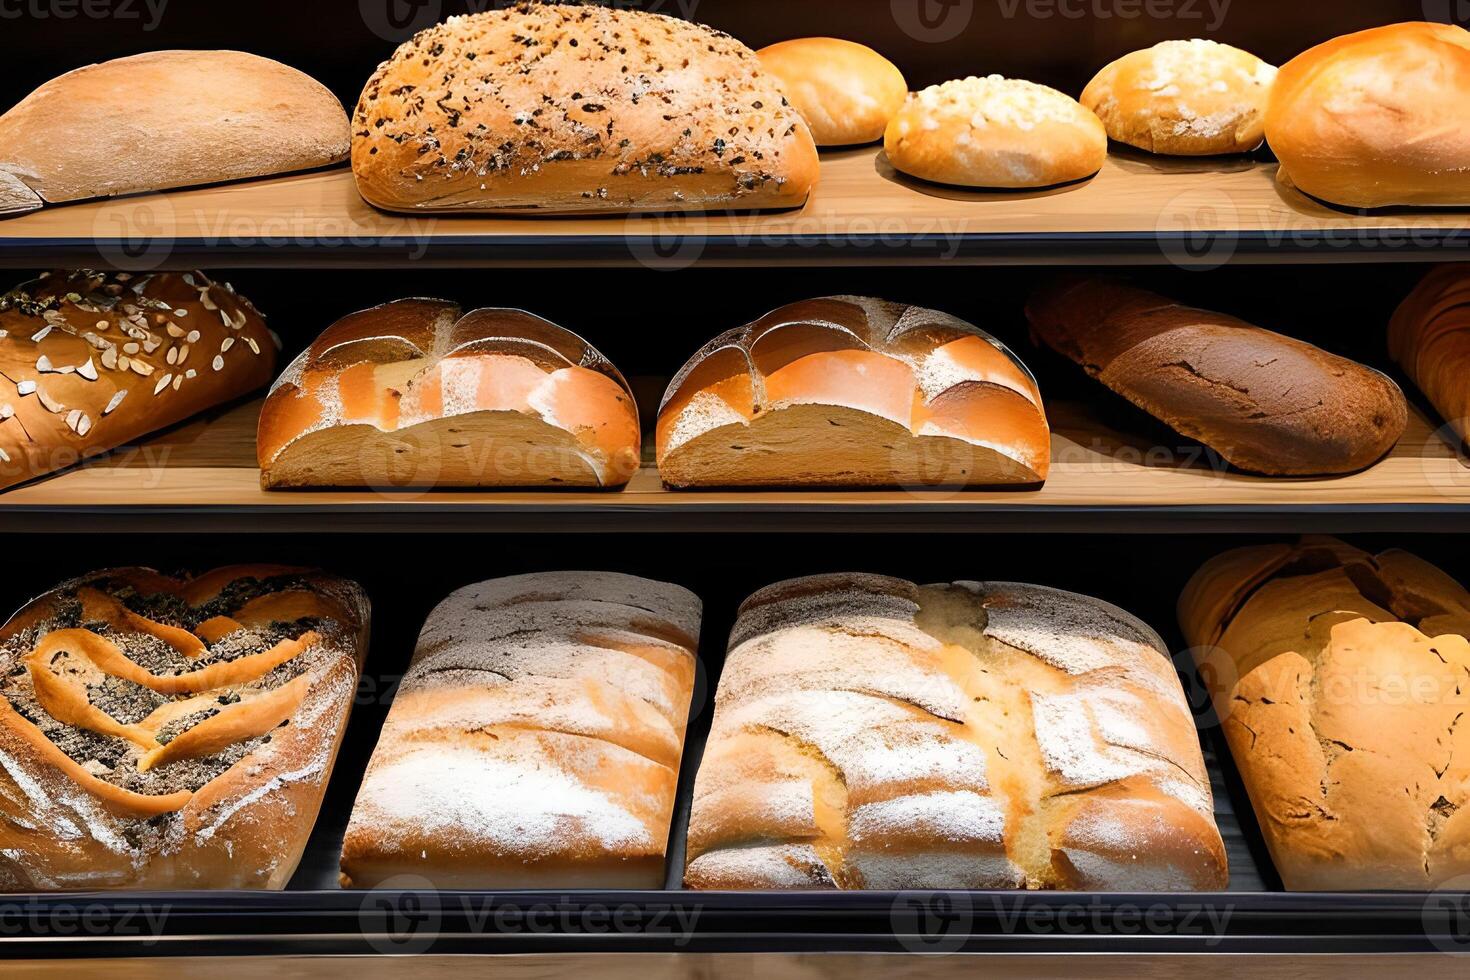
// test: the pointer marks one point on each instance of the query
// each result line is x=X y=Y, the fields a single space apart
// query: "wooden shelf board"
x=206 y=470
x=1138 y=208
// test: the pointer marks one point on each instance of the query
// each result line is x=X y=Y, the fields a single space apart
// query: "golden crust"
x=1429 y=337
x=845 y=91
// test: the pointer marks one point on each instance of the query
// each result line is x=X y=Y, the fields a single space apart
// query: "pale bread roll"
x=1184 y=98
x=1377 y=118
x=995 y=132
x=845 y=91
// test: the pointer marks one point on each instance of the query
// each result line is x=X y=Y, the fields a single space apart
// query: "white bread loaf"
x=845 y=91
x=852 y=391
x=165 y=119
x=1377 y=118
x=565 y=107
x=166 y=734
x=1340 y=687
x=995 y=132
x=535 y=740
x=92 y=360
x=416 y=393
x=1185 y=98
x=871 y=733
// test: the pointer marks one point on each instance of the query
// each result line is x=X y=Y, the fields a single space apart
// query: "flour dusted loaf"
x=1265 y=402
x=853 y=391
x=1185 y=98
x=565 y=107
x=1377 y=118
x=165 y=119
x=172 y=733
x=995 y=132
x=845 y=91
x=1429 y=336
x=91 y=360
x=417 y=393
x=871 y=733
x=1340 y=680
x=535 y=740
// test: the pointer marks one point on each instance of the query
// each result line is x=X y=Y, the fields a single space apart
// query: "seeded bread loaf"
x=852 y=391
x=1429 y=337
x=1339 y=677
x=1266 y=403
x=416 y=393
x=165 y=119
x=172 y=733
x=535 y=739
x=90 y=360
x=564 y=107
x=871 y=733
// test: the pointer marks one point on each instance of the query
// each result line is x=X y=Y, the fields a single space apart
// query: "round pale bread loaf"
x=846 y=91
x=995 y=132
x=1377 y=118
x=1185 y=98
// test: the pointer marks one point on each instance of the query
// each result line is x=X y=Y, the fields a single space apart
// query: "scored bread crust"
x=1377 y=118
x=65 y=824
x=165 y=119
x=995 y=132
x=872 y=733
x=845 y=91
x=417 y=393
x=1265 y=402
x=564 y=108
x=92 y=360
x=1338 y=679
x=853 y=391
x=1429 y=337
x=535 y=740
x=1185 y=98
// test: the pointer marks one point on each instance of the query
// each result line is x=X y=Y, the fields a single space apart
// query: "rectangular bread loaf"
x=167 y=733
x=535 y=740
x=871 y=733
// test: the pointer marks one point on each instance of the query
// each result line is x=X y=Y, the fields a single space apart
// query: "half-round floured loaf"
x=1338 y=678
x=566 y=107
x=852 y=391
x=1377 y=118
x=871 y=733
x=1187 y=98
x=414 y=393
x=1429 y=336
x=165 y=119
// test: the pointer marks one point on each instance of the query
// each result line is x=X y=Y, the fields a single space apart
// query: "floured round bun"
x=995 y=132
x=1377 y=118
x=1185 y=98
x=846 y=91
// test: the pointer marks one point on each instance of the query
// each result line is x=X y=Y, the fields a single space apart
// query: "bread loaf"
x=164 y=733
x=1340 y=690
x=562 y=107
x=871 y=733
x=845 y=91
x=535 y=740
x=1429 y=336
x=1377 y=118
x=850 y=391
x=416 y=393
x=165 y=119
x=91 y=360
x=1266 y=403
x=1186 y=98
x=995 y=132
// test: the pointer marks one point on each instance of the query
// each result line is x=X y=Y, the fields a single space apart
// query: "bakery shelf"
x=203 y=476
x=1137 y=210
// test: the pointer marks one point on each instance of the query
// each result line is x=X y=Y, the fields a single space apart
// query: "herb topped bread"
x=170 y=733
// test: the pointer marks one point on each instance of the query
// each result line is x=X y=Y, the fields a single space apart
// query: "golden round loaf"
x=1184 y=98
x=995 y=132
x=1377 y=118
x=846 y=91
